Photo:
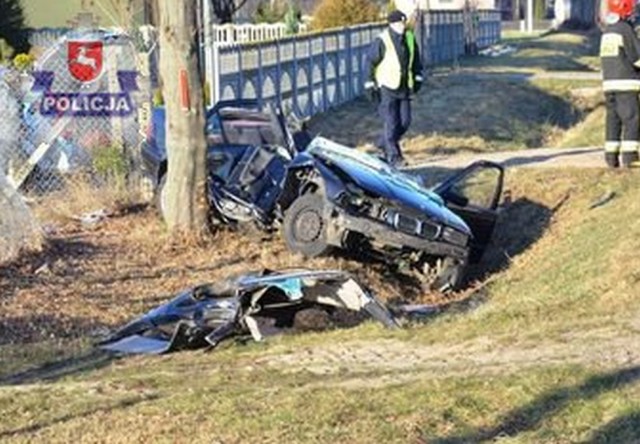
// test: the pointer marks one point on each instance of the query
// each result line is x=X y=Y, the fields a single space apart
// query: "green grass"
x=201 y=399
x=534 y=363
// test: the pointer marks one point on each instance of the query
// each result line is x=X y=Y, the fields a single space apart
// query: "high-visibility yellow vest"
x=389 y=71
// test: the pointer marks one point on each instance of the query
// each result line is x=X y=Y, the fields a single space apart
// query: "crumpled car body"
x=258 y=304
x=324 y=195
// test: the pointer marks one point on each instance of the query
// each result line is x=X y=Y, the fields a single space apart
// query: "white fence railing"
x=246 y=33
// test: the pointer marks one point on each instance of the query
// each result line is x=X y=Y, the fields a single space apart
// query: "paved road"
x=590 y=157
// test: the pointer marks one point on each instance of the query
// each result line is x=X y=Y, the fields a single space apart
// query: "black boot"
x=611 y=159
x=629 y=159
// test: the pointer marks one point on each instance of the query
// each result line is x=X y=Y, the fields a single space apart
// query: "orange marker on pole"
x=184 y=90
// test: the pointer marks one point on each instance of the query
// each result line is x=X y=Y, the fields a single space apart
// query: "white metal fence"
x=246 y=33
x=223 y=34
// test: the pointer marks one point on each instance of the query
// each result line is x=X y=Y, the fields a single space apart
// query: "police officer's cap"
x=396 y=16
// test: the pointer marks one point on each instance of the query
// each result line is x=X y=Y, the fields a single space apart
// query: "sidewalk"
x=589 y=157
x=476 y=74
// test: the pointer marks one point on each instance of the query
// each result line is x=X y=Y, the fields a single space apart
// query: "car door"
x=474 y=194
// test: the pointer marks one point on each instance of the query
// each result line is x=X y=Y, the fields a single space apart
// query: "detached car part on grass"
x=326 y=195
x=207 y=314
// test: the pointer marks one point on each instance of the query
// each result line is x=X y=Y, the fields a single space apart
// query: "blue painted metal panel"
x=443 y=38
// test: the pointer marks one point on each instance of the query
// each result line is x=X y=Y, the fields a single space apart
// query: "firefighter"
x=620 y=57
x=394 y=72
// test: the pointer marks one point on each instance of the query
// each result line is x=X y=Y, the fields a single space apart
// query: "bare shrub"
x=336 y=13
x=83 y=194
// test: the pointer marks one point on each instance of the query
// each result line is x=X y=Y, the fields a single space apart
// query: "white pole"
x=530 y=16
x=210 y=72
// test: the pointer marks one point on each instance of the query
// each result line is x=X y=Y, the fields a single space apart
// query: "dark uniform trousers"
x=622 y=127
x=396 y=114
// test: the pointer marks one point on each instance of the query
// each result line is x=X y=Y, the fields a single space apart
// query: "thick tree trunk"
x=185 y=201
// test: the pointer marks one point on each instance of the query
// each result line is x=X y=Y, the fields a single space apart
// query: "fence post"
x=325 y=93
x=260 y=82
x=294 y=82
x=310 y=85
x=339 y=73
x=117 y=134
x=211 y=58
x=214 y=85
x=278 y=82
x=349 y=64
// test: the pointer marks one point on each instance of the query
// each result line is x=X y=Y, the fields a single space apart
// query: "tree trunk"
x=18 y=229
x=185 y=198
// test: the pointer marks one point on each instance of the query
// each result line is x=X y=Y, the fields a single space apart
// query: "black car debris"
x=257 y=304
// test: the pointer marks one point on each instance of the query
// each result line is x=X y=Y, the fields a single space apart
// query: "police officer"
x=394 y=73
x=620 y=57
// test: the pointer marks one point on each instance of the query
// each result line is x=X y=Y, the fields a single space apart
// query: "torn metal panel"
x=258 y=304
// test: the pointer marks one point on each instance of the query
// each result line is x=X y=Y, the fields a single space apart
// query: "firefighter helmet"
x=624 y=8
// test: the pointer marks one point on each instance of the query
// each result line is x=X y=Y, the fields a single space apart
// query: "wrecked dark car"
x=259 y=304
x=324 y=195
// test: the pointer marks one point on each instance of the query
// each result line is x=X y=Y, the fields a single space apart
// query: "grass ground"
x=542 y=348
x=546 y=350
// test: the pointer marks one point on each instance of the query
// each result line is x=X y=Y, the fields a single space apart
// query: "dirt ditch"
x=93 y=278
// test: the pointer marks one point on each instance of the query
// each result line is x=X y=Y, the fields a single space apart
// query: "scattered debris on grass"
x=93 y=218
x=498 y=50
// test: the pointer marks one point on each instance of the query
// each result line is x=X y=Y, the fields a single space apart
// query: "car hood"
x=377 y=177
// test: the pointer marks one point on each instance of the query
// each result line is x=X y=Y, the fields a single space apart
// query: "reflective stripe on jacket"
x=620 y=58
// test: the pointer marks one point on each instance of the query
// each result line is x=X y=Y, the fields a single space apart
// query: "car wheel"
x=159 y=198
x=445 y=274
x=304 y=226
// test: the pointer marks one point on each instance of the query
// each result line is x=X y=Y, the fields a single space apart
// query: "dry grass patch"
x=455 y=114
x=82 y=195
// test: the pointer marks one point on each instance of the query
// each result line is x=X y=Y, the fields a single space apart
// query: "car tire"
x=304 y=226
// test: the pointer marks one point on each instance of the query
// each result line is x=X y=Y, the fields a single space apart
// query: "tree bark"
x=185 y=189
x=19 y=231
